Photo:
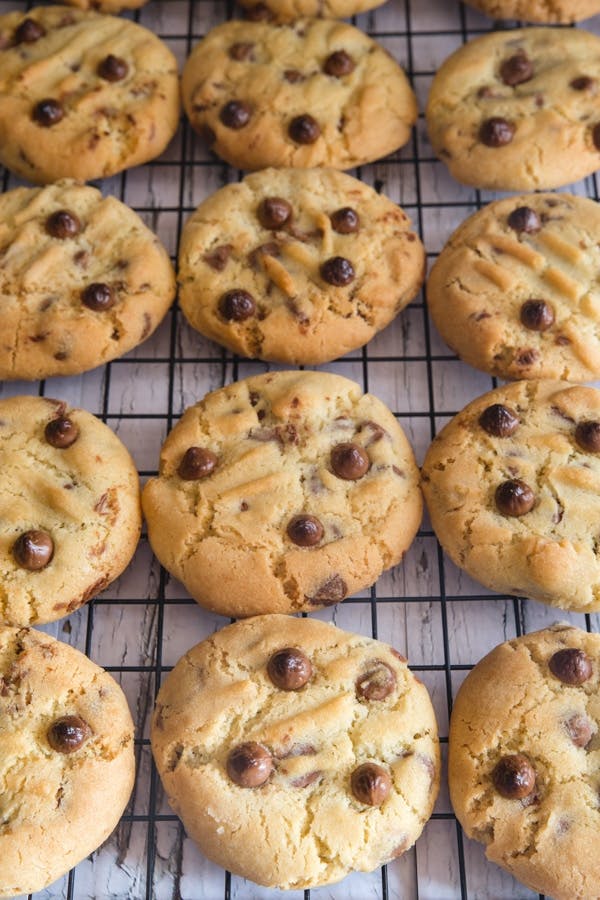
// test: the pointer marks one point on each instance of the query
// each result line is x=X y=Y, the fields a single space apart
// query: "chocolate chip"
x=587 y=435
x=337 y=271
x=537 y=315
x=236 y=306
x=571 y=666
x=514 y=498
x=499 y=421
x=260 y=12
x=579 y=729
x=496 y=132
x=524 y=219
x=48 y=112
x=304 y=130
x=289 y=669
x=583 y=83
x=240 y=51
x=61 y=432
x=514 y=777
x=218 y=258
x=516 y=69
x=293 y=76
x=63 y=224
x=377 y=682
x=196 y=463
x=33 y=550
x=331 y=591
x=249 y=765
x=349 y=461
x=29 y=31
x=274 y=212
x=371 y=784
x=345 y=220
x=339 y=64
x=68 y=734
x=236 y=114
x=112 y=68
x=305 y=530
x=98 y=296
x=596 y=136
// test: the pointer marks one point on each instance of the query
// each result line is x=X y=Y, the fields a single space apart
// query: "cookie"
x=518 y=110
x=514 y=290
x=314 y=93
x=82 y=95
x=83 y=280
x=283 y=492
x=512 y=484
x=295 y=752
x=288 y=10
x=297 y=266
x=106 y=6
x=69 y=509
x=66 y=758
x=557 y=11
x=523 y=760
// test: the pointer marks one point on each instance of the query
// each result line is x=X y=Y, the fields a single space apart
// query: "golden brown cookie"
x=543 y=11
x=288 y=10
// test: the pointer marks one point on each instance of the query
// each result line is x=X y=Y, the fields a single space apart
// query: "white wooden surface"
x=448 y=623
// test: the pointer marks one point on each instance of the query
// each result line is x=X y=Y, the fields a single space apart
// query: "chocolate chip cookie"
x=296 y=753
x=523 y=760
x=66 y=758
x=83 y=280
x=283 y=492
x=297 y=266
x=82 y=95
x=69 y=509
x=557 y=11
x=518 y=110
x=288 y=10
x=512 y=484
x=514 y=291
x=313 y=93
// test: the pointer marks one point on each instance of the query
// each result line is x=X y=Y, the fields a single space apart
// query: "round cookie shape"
x=66 y=758
x=520 y=512
x=83 y=280
x=523 y=762
x=298 y=266
x=289 y=10
x=273 y=528
x=324 y=780
x=260 y=95
x=518 y=110
x=514 y=291
x=543 y=11
x=61 y=117
x=70 y=515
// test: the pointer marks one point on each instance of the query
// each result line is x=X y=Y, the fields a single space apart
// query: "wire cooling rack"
x=426 y=608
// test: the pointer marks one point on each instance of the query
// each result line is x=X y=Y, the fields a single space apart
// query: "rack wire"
x=442 y=620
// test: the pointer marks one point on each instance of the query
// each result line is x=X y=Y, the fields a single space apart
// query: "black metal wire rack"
x=442 y=620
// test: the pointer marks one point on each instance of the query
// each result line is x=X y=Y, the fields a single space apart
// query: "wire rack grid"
x=441 y=619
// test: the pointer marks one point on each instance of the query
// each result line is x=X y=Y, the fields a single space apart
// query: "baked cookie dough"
x=66 y=758
x=107 y=6
x=518 y=110
x=515 y=290
x=82 y=95
x=523 y=760
x=296 y=753
x=512 y=485
x=83 y=280
x=313 y=93
x=543 y=11
x=288 y=10
x=69 y=509
x=283 y=492
x=298 y=266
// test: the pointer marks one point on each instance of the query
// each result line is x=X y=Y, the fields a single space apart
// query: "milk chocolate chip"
x=249 y=765
x=537 y=315
x=339 y=64
x=304 y=129
x=516 y=69
x=345 y=220
x=68 y=734
x=349 y=461
x=29 y=31
x=61 y=432
x=338 y=271
x=496 y=132
x=63 y=224
x=33 y=550
x=571 y=665
x=236 y=114
x=274 y=212
x=197 y=462
x=587 y=435
x=499 y=421
x=113 y=68
x=579 y=728
x=377 y=682
x=371 y=784
x=236 y=306
x=48 y=112
x=583 y=83
x=98 y=297
x=240 y=51
x=524 y=219
x=289 y=669
x=514 y=777
x=514 y=498
x=305 y=531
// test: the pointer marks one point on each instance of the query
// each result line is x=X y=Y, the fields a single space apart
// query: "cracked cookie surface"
x=515 y=291
x=518 y=110
x=70 y=513
x=82 y=95
x=526 y=699
x=304 y=825
x=314 y=93
x=559 y=11
x=66 y=758
x=83 y=280
x=254 y=511
x=285 y=237
x=512 y=485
